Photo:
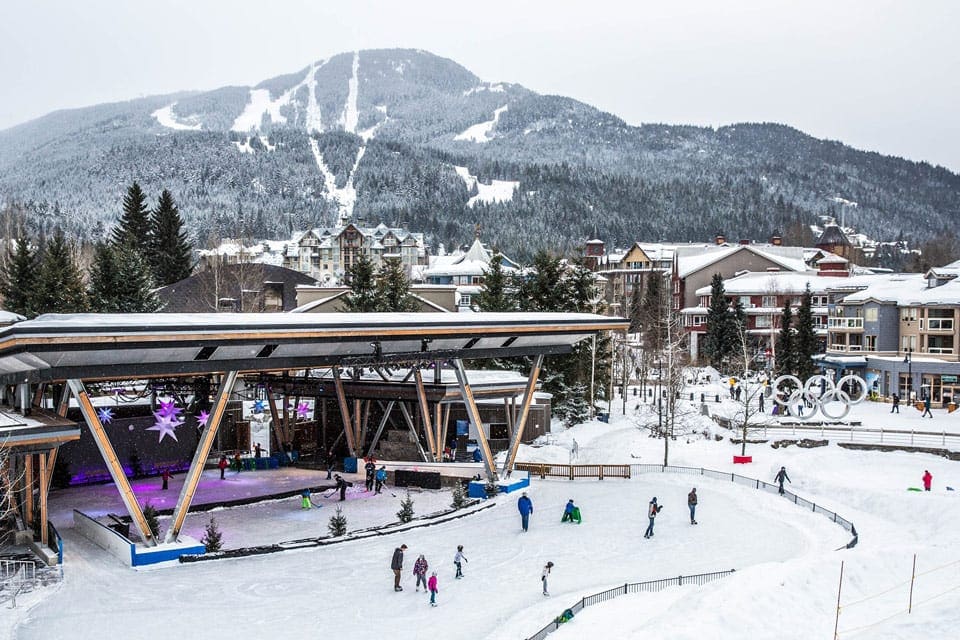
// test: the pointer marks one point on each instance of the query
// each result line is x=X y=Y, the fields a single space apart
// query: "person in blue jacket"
x=477 y=456
x=525 y=505
x=381 y=478
x=571 y=512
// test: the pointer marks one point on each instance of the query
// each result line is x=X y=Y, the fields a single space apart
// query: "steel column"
x=425 y=412
x=113 y=464
x=44 y=484
x=344 y=411
x=200 y=457
x=437 y=427
x=474 y=415
x=275 y=423
x=520 y=424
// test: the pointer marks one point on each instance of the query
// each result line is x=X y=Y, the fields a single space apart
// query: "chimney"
x=744 y=241
x=776 y=240
x=720 y=239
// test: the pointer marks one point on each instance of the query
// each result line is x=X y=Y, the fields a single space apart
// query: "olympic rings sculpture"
x=817 y=393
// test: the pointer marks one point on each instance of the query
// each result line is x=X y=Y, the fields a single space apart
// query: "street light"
x=659 y=397
x=908 y=360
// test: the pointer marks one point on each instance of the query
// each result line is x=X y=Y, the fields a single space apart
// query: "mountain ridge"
x=378 y=134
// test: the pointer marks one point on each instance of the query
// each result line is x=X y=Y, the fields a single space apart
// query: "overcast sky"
x=876 y=74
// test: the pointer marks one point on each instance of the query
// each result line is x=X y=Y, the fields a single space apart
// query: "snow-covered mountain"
x=407 y=136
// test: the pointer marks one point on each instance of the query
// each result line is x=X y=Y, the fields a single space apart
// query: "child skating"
x=458 y=560
x=434 y=590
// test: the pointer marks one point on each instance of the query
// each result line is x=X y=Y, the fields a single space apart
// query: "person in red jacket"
x=927 y=480
x=223 y=465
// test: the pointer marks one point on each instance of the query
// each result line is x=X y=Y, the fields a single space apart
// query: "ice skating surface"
x=786 y=558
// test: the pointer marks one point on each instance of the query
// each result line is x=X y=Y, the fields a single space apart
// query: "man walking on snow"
x=397 y=565
x=692 y=503
x=652 y=511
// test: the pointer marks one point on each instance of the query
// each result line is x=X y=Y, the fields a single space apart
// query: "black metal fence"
x=631 y=587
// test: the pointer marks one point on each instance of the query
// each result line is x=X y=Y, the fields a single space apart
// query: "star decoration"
x=105 y=415
x=202 y=418
x=303 y=410
x=168 y=409
x=258 y=406
x=166 y=425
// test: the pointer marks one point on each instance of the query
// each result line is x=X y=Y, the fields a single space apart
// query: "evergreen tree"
x=338 y=523
x=577 y=411
x=59 y=287
x=581 y=287
x=18 y=279
x=133 y=228
x=153 y=522
x=495 y=291
x=635 y=313
x=406 y=509
x=459 y=498
x=393 y=289
x=170 y=251
x=653 y=313
x=545 y=288
x=120 y=282
x=361 y=279
x=716 y=345
x=785 y=352
x=212 y=537
x=806 y=344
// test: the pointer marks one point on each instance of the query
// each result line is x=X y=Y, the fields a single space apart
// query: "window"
x=745 y=301
x=871 y=314
x=769 y=301
x=764 y=322
x=464 y=300
x=908 y=314
x=820 y=301
x=699 y=320
x=870 y=343
x=908 y=343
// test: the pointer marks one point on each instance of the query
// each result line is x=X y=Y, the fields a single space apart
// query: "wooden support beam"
x=366 y=422
x=200 y=457
x=446 y=423
x=51 y=463
x=521 y=422
x=109 y=456
x=413 y=430
x=474 y=415
x=275 y=424
x=380 y=427
x=508 y=417
x=28 y=488
x=38 y=395
x=357 y=416
x=437 y=428
x=344 y=411
x=64 y=405
x=45 y=473
x=425 y=413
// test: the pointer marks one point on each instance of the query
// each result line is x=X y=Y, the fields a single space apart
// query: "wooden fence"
x=572 y=471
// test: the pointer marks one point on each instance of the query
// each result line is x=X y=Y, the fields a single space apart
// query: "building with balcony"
x=465 y=271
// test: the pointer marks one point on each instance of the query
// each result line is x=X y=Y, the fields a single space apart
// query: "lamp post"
x=659 y=397
x=908 y=360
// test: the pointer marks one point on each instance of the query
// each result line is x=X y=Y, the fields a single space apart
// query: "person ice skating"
x=305 y=499
x=420 y=571
x=571 y=512
x=237 y=461
x=525 y=505
x=330 y=460
x=371 y=469
x=652 y=510
x=257 y=451
x=780 y=477
x=926 y=408
x=223 y=464
x=760 y=401
x=434 y=590
x=397 y=565
x=165 y=475
x=458 y=560
x=927 y=480
x=381 y=478
x=692 y=503
x=544 y=576
x=342 y=486
x=896 y=404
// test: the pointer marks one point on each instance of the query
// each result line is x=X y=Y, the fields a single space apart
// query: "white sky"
x=876 y=74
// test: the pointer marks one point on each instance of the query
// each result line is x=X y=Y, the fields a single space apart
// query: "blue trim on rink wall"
x=143 y=556
x=478 y=488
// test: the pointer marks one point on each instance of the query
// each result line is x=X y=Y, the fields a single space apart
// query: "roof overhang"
x=54 y=347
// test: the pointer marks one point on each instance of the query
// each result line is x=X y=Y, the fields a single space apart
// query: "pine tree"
x=406 y=509
x=170 y=251
x=338 y=523
x=495 y=291
x=582 y=288
x=393 y=289
x=59 y=287
x=133 y=228
x=635 y=312
x=652 y=317
x=545 y=289
x=212 y=538
x=715 y=341
x=18 y=279
x=785 y=351
x=362 y=297
x=153 y=522
x=806 y=344
x=120 y=282
x=459 y=498
x=577 y=410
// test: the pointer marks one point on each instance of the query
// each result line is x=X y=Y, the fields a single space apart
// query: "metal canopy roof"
x=57 y=347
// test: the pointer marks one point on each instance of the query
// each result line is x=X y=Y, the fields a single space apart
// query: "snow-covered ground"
x=483 y=131
x=496 y=191
x=167 y=118
x=787 y=558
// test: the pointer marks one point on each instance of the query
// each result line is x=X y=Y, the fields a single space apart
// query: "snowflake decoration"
x=105 y=415
x=258 y=406
x=202 y=418
x=303 y=410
